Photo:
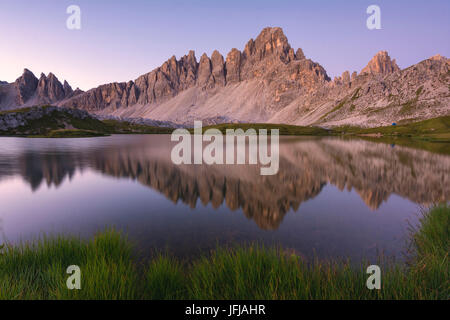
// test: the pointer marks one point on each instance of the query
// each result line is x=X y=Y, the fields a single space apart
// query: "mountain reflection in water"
x=375 y=171
x=331 y=197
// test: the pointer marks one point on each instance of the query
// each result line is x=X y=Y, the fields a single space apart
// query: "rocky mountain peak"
x=218 y=68
x=381 y=63
x=204 y=78
x=29 y=90
x=67 y=88
x=438 y=57
x=233 y=66
x=299 y=55
x=49 y=88
x=52 y=77
x=25 y=86
x=27 y=72
x=268 y=59
x=271 y=40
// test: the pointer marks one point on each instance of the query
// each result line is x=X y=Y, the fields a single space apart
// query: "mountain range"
x=268 y=81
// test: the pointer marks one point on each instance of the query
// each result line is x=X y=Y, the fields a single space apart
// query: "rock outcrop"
x=50 y=89
x=381 y=63
x=25 y=86
x=18 y=122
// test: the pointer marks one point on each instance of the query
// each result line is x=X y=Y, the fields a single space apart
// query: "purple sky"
x=120 y=40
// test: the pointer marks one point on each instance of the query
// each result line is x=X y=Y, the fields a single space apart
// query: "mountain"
x=250 y=85
x=28 y=90
x=379 y=95
x=268 y=81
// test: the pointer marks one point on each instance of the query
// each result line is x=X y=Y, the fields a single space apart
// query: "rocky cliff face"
x=268 y=69
x=28 y=90
x=260 y=59
x=25 y=86
x=268 y=81
x=379 y=95
x=382 y=64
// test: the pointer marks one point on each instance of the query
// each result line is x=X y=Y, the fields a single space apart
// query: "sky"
x=121 y=40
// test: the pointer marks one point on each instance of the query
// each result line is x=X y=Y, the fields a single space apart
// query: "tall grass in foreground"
x=38 y=270
x=109 y=271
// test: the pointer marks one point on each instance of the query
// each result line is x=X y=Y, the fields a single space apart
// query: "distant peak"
x=382 y=53
x=272 y=38
x=381 y=63
x=299 y=54
x=438 y=57
x=270 y=41
x=27 y=76
x=276 y=31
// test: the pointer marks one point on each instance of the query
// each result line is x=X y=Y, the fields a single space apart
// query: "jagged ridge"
x=267 y=82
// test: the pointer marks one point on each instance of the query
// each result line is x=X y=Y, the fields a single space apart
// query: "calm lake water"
x=331 y=197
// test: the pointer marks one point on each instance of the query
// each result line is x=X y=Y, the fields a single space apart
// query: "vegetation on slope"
x=431 y=135
x=69 y=133
x=125 y=127
x=109 y=271
x=53 y=122
x=284 y=129
x=436 y=128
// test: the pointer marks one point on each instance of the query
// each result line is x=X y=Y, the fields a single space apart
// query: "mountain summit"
x=268 y=81
x=381 y=63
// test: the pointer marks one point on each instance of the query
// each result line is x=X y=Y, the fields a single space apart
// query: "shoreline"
x=110 y=271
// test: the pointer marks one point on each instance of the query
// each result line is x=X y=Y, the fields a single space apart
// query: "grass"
x=336 y=108
x=59 y=124
x=20 y=110
x=53 y=124
x=69 y=133
x=37 y=270
x=436 y=129
x=431 y=135
x=410 y=105
x=422 y=143
x=284 y=129
x=356 y=94
x=110 y=271
x=124 y=127
x=431 y=127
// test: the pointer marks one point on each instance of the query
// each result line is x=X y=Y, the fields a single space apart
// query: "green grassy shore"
x=109 y=270
x=430 y=135
x=61 y=124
